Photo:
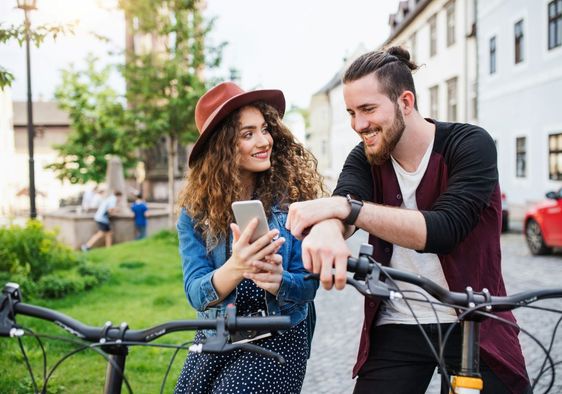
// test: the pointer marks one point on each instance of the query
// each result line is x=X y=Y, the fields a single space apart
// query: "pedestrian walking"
x=102 y=217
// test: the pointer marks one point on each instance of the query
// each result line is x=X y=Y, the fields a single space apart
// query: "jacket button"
x=387 y=250
x=398 y=196
x=371 y=304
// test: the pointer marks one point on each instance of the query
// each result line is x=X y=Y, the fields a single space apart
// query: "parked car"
x=543 y=224
x=505 y=214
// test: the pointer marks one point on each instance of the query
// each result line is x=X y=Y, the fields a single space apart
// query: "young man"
x=102 y=217
x=427 y=193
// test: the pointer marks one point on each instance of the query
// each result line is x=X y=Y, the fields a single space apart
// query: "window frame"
x=521 y=157
x=555 y=156
x=554 y=24
x=452 y=99
x=450 y=20
x=432 y=22
x=493 y=50
x=519 y=42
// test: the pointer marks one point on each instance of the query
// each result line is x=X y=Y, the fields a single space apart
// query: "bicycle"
x=112 y=342
x=371 y=279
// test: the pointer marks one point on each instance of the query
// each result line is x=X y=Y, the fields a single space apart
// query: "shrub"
x=32 y=257
x=33 y=251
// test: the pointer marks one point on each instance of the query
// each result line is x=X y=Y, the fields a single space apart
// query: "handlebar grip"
x=270 y=323
x=360 y=266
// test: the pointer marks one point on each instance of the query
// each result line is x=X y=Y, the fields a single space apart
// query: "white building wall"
x=343 y=137
x=520 y=99
x=457 y=60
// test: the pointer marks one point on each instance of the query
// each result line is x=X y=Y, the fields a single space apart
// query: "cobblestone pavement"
x=340 y=317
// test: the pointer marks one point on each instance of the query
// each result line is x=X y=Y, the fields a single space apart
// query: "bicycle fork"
x=469 y=380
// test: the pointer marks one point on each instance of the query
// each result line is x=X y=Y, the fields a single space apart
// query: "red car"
x=543 y=224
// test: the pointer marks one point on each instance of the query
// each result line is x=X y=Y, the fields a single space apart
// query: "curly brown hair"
x=214 y=182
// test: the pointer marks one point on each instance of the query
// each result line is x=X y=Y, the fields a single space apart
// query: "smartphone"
x=244 y=211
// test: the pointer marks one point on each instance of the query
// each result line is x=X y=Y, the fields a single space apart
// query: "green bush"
x=33 y=251
x=54 y=286
x=32 y=257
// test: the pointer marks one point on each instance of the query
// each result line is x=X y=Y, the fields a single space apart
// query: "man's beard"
x=389 y=139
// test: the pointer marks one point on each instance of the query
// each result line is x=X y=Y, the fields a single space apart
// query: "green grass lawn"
x=145 y=289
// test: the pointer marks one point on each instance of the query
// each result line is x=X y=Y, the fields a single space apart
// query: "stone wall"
x=76 y=227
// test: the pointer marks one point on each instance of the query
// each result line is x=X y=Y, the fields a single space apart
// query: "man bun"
x=403 y=55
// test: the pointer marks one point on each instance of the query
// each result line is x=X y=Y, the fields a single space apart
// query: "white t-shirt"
x=102 y=214
x=425 y=264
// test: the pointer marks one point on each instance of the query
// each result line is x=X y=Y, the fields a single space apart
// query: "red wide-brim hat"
x=219 y=102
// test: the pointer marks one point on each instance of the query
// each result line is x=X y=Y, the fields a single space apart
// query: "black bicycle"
x=113 y=342
x=374 y=280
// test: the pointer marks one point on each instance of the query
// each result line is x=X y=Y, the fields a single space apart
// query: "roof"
x=45 y=113
x=408 y=16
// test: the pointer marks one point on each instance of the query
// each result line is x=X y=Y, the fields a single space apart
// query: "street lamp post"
x=26 y=6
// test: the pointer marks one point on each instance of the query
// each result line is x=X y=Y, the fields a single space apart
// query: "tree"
x=98 y=125
x=165 y=81
x=36 y=35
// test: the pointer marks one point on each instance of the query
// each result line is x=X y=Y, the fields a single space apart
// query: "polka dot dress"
x=246 y=372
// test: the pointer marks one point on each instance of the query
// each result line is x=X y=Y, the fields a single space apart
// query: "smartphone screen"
x=244 y=211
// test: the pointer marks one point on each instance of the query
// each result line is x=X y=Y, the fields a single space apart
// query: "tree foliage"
x=98 y=123
x=165 y=80
x=164 y=73
x=36 y=36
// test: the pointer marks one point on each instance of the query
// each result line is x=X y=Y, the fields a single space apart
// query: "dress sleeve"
x=473 y=176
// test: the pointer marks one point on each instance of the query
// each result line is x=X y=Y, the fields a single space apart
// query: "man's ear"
x=407 y=102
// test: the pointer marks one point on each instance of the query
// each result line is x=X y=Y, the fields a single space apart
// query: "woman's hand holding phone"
x=268 y=273
x=246 y=253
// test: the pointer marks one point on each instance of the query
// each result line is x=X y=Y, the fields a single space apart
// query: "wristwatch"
x=355 y=206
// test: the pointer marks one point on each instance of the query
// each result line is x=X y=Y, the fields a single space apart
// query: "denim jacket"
x=199 y=264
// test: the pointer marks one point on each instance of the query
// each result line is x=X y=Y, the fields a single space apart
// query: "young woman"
x=245 y=152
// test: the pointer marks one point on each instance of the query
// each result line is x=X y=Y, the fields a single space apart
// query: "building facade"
x=520 y=80
x=441 y=38
x=51 y=127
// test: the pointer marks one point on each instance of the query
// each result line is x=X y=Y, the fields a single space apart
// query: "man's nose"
x=361 y=123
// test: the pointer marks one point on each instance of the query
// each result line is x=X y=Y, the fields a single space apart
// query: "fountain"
x=76 y=226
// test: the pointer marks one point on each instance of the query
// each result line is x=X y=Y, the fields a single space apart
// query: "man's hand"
x=305 y=214
x=325 y=248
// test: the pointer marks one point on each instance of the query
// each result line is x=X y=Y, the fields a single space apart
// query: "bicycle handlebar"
x=122 y=333
x=373 y=275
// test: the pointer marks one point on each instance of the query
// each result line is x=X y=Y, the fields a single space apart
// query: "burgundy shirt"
x=459 y=196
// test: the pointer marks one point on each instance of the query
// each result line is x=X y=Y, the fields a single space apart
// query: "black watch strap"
x=355 y=206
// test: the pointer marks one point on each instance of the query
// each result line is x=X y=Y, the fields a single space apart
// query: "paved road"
x=340 y=317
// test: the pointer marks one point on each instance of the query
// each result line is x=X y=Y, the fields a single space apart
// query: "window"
x=452 y=99
x=518 y=33
x=520 y=157
x=474 y=100
x=555 y=156
x=554 y=24
x=493 y=55
x=413 y=44
x=450 y=8
x=432 y=35
x=434 y=102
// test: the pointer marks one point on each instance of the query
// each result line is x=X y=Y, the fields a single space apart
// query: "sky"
x=293 y=45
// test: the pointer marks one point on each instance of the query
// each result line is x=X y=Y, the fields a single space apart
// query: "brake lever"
x=360 y=287
x=372 y=287
x=257 y=349
x=220 y=345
